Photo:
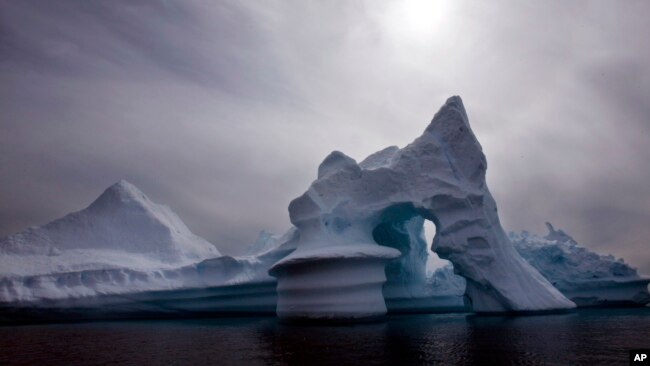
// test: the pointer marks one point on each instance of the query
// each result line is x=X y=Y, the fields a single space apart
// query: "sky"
x=223 y=110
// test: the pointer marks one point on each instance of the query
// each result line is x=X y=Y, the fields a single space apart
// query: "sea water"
x=582 y=337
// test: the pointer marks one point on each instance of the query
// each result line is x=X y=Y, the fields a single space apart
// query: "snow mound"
x=122 y=242
x=587 y=278
x=439 y=177
x=120 y=229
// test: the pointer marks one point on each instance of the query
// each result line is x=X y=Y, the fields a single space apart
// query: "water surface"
x=584 y=337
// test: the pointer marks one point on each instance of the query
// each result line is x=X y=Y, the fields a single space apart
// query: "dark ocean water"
x=584 y=337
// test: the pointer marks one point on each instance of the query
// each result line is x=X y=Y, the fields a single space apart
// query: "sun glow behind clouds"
x=417 y=20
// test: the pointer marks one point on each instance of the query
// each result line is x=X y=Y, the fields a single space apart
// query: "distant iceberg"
x=587 y=278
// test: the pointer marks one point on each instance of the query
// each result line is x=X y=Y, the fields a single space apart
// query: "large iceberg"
x=587 y=278
x=352 y=218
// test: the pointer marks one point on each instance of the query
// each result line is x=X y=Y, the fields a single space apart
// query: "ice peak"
x=452 y=111
x=121 y=192
x=126 y=188
x=558 y=235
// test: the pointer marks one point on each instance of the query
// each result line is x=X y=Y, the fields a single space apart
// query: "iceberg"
x=126 y=256
x=355 y=219
x=585 y=277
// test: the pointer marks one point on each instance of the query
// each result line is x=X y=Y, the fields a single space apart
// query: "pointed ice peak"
x=549 y=227
x=122 y=192
x=125 y=188
x=558 y=235
x=122 y=184
x=450 y=129
x=452 y=112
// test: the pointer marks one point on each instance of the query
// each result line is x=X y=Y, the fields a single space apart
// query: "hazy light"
x=417 y=20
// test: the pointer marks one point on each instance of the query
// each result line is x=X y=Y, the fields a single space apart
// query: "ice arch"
x=337 y=270
x=409 y=287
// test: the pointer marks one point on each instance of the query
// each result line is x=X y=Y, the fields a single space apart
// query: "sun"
x=417 y=20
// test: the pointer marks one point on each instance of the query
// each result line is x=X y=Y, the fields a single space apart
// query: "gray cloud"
x=223 y=110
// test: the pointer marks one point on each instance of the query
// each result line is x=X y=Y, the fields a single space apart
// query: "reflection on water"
x=584 y=337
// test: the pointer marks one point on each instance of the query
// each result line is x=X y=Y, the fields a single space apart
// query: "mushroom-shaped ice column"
x=337 y=270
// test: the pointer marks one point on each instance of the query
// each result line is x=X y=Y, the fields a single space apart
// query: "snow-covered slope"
x=122 y=242
x=587 y=278
x=441 y=177
x=120 y=229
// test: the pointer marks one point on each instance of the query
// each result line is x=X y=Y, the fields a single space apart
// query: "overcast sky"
x=224 y=109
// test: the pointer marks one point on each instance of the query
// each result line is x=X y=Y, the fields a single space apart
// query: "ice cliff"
x=352 y=218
